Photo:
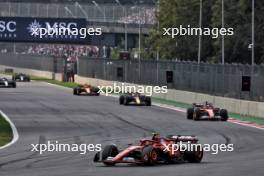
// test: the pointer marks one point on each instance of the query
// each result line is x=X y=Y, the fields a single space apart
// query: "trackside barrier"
x=45 y=74
x=243 y=107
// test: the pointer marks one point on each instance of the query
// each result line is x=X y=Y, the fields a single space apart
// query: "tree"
x=238 y=13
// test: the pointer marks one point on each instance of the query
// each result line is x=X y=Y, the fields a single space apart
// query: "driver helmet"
x=155 y=136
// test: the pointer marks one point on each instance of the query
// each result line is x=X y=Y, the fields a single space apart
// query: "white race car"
x=7 y=83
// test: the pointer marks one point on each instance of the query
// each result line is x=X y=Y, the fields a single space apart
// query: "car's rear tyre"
x=194 y=156
x=126 y=101
x=150 y=155
x=190 y=113
x=14 y=85
x=109 y=151
x=224 y=114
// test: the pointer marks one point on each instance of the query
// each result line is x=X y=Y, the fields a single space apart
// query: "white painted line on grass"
x=14 y=130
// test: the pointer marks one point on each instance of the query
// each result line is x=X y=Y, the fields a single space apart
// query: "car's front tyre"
x=196 y=114
x=121 y=100
x=14 y=85
x=148 y=101
x=224 y=114
x=109 y=151
x=150 y=155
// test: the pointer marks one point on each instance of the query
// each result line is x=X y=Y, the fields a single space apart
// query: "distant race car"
x=86 y=90
x=206 y=111
x=134 y=98
x=4 y=82
x=21 y=77
x=158 y=150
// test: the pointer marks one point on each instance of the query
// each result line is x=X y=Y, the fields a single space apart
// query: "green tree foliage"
x=173 y=13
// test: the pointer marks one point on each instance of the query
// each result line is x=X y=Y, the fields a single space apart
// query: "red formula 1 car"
x=152 y=151
x=206 y=111
x=86 y=90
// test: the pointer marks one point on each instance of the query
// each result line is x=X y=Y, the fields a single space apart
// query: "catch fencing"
x=36 y=62
x=215 y=79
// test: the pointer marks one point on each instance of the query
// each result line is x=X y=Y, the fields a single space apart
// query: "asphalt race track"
x=44 y=112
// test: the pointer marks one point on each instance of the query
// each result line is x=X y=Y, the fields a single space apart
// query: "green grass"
x=6 y=134
x=257 y=120
x=157 y=100
x=170 y=102
x=51 y=81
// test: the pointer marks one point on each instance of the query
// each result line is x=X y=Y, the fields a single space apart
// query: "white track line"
x=14 y=130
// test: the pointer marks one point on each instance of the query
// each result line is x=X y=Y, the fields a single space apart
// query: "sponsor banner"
x=20 y=29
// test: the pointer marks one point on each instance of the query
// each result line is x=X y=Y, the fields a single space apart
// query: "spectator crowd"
x=63 y=50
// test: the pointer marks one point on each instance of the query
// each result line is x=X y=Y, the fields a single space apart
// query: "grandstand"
x=100 y=10
x=149 y=2
x=111 y=15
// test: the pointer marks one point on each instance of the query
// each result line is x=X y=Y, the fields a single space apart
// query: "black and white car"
x=7 y=83
x=21 y=77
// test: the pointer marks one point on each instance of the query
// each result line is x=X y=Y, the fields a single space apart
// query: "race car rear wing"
x=181 y=138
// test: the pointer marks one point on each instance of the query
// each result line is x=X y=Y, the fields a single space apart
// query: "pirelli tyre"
x=224 y=115
x=189 y=113
x=96 y=157
x=121 y=100
x=109 y=151
x=126 y=101
x=197 y=114
x=148 y=101
x=195 y=155
x=150 y=155
x=96 y=91
x=76 y=91
x=13 y=85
